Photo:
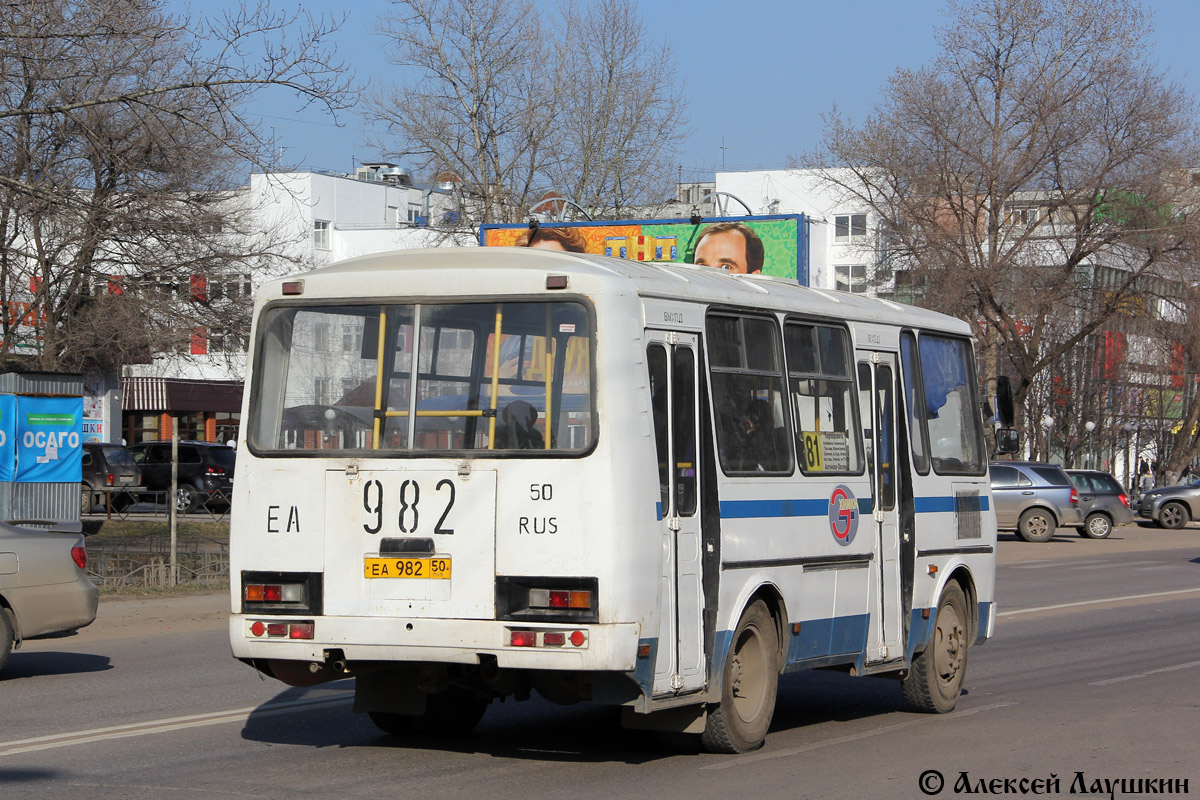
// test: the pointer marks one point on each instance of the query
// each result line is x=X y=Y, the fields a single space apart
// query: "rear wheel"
x=392 y=724
x=187 y=499
x=1036 y=525
x=935 y=680
x=452 y=712
x=6 y=636
x=1173 y=516
x=750 y=682
x=85 y=500
x=1096 y=526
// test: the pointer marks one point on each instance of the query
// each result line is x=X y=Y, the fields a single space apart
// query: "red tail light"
x=1124 y=498
x=214 y=471
x=110 y=479
x=1074 y=496
x=79 y=556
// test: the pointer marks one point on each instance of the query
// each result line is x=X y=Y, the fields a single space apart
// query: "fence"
x=144 y=562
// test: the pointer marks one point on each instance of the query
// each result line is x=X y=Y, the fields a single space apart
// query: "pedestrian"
x=1146 y=482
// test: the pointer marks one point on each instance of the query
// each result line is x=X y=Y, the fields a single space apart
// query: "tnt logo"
x=843 y=515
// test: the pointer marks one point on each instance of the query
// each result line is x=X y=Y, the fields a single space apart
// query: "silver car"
x=1171 y=506
x=1033 y=499
x=44 y=587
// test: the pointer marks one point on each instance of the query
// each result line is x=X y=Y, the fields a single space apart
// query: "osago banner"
x=773 y=245
x=48 y=442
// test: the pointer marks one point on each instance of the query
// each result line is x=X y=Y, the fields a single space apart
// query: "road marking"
x=164 y=725
x=1188 y=665
x=1048 y=564
x=727 y=762
x=1097 y=602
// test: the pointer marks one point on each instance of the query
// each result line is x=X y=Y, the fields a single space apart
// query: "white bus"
x=467 y=474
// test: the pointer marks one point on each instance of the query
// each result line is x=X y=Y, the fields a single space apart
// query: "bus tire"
x=392 y=724
x=750 y=682
x=450 y=713
x=935 y=679
x=1036 y=525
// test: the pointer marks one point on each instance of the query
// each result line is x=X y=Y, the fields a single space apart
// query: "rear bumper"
x=607 y=647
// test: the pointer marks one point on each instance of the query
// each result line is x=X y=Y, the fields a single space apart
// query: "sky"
x=757 y=74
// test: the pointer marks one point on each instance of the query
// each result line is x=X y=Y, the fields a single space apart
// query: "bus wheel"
x=749 y=684
x=1036 y=525
x=935 y=679
x=451 y=712
x=393 y=724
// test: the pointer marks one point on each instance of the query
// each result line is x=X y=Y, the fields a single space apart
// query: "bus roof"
x=671 y=280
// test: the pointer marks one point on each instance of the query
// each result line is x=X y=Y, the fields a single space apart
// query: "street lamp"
x=1047 y=426
x=1089 y=462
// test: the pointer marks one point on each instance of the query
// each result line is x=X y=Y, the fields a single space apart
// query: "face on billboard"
x=726 y=250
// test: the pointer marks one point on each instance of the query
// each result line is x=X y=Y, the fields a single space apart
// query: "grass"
x=132 y=529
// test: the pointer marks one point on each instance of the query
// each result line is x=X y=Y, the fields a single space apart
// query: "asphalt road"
x=1094 y=674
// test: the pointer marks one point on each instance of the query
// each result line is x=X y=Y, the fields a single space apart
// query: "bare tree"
x=125 y=135
x=513 y=104
x=1030 y=178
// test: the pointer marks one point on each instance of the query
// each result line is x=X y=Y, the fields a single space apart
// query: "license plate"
x=416 y=568
x=127 y=479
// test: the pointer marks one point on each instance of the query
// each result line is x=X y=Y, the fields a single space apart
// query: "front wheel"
x=750 y=682
x=1096 y=526
x=1173 y=516
x=935 y=679
x=1036 y=525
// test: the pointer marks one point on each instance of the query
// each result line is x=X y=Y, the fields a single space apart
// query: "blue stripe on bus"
x=748 y=509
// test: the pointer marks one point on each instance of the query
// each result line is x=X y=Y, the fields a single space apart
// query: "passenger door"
x=672 y=361
x=877 y=400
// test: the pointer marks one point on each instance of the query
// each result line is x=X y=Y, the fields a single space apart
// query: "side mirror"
x=1004 y=402
x=1008 y=441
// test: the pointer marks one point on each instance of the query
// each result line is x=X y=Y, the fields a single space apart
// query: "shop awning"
x=176 y=394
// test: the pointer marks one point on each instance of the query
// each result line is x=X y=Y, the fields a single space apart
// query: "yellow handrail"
x=379 y=356
x=495 y=377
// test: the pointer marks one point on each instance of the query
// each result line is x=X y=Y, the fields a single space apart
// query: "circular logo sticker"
x=843 y=514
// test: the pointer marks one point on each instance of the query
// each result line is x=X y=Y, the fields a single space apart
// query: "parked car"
x=1033 y=499
x=204 y=478
x=44 y=587
x=109 y=475
x=1102 y=502
x=1171 y=506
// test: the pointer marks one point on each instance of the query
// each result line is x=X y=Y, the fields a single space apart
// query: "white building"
x=841 y=230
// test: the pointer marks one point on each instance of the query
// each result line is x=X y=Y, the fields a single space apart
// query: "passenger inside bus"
x=515 y=429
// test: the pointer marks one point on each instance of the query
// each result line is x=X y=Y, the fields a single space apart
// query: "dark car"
x=205 y=476
x=1033 y=499
x=1171 y=506
x=110 y=475
x=1102 y=502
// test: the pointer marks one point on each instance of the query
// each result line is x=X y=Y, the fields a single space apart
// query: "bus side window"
x=656 y=360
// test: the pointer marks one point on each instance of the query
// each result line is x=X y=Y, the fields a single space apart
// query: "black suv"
x=110 y=475
x=205 y=474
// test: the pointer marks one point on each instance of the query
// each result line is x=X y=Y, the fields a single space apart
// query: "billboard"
x=776 y=244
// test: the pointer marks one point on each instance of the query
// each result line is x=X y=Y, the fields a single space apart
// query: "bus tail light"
x=547 y=599
x=305 y=629
x=520 y=637
x=281 y=593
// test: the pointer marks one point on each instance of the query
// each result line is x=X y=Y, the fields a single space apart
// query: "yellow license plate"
x=419 y=568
